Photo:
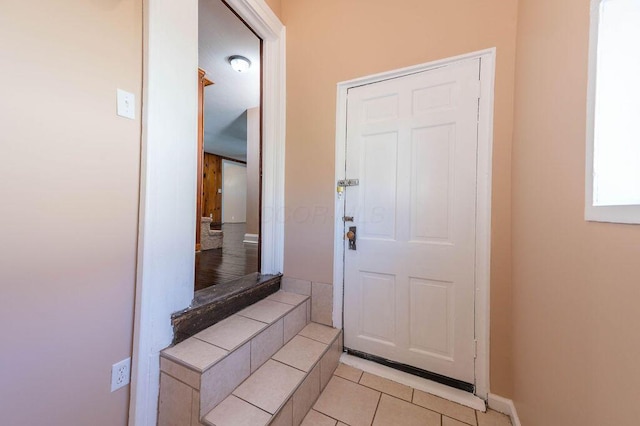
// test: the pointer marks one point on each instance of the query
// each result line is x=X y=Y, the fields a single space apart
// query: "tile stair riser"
x=327 y=365
x=204 y=408
x=220 y=380
x=324 y=366
x=324 y=362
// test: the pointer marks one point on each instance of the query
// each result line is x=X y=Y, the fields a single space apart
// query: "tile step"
x=283 y=390
x=199 y=373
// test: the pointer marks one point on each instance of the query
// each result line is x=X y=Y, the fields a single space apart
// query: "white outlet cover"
x=120 y=374
x=126 y=104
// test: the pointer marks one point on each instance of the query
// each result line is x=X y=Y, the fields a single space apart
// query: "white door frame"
x=166 y=232
x=483 y=194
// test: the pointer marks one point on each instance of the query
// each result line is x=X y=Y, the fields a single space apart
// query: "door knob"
x=351 y=236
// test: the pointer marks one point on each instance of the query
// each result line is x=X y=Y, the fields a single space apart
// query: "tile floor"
x=355 y=398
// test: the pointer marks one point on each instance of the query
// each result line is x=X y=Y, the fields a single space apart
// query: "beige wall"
x=576 y=283
x=276 y=7
x=69 y=172
x=331 y=41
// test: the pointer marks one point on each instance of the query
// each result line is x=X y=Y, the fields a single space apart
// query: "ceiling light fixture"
x=239 y=63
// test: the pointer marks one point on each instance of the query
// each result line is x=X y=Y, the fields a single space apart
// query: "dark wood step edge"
x=225 y=301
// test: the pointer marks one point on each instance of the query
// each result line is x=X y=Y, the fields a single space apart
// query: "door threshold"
x=438 y=389
x=415 y=371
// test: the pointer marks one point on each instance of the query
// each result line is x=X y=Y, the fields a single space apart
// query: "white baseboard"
x=505 y=406
x=250 y=238
x=438 y=389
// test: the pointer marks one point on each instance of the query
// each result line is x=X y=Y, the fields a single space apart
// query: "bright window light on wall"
x=613 y=133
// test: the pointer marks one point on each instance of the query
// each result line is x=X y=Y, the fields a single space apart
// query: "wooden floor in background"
x=234 y=260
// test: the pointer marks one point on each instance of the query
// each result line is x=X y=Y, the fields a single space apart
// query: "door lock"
x=351 y=236
x=343 y=183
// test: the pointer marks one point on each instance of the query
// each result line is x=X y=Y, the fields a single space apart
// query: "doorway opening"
x=229 y=179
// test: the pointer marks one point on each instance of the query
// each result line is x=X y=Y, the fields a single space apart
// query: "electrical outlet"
x=120 y=374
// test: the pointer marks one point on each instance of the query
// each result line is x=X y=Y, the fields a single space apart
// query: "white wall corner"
x=504 y=406
x=166 y=237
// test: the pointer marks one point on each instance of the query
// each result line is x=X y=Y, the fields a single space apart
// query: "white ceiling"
x=222 y=34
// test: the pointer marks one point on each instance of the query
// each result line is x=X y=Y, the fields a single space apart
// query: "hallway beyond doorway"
x=234 y=260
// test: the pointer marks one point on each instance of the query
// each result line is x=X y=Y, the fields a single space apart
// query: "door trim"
x=483 y=198
x=165 y=258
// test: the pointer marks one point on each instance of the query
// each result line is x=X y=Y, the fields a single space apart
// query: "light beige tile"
x=265 y=344
x=342 y=424
x=300 y=353
x=348 y=372
x=180 y=372
x=393 y=411
x=195 y=408
x=315 y=418
x=448 y=421
x=308 y=303
x=320 y=332
x=266 y=311
x=348 y=402
x=195 y=353
x=220 y=380
x=270 y=386
x=288 y=297
x=294 y=285
x=175 y=402
x=236 y=412
x=285 y=416
x=231 y=332
x=493 y=418
x=446 y=407
x=295 y=321
x=387 y=386
x=306 y=395
x=322 y=303
x=330 y=361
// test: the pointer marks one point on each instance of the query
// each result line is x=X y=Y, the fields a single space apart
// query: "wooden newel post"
x=202 y=83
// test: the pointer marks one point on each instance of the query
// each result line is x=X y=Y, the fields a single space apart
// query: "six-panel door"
x=409 y=286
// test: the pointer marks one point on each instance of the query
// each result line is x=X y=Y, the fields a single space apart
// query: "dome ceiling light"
x=239 y=63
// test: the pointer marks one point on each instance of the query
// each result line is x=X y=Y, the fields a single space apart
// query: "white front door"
x=409 y=285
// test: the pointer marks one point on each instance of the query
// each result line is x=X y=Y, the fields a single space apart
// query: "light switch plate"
x=126 y=104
